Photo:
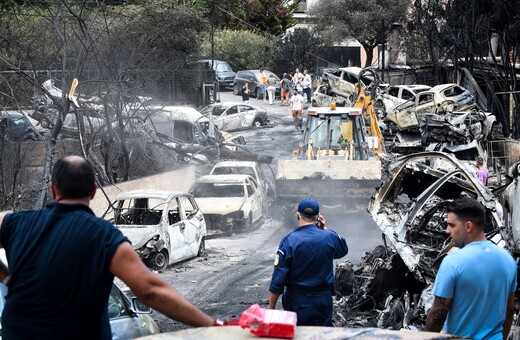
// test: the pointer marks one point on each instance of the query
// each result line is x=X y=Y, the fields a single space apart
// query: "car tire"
x=159 y=260
x=235 y=90
x=257 y=122
x=257 y=93
x=202 y=247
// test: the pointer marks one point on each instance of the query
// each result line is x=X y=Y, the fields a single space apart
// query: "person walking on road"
x=271 y=88
x=296 y=106
x=474 y=291
x=307 y=85
x=263 y=84
x=285 y=85
x=298 y=81
x=245 y=93
x=304 y=268
x=62 y=262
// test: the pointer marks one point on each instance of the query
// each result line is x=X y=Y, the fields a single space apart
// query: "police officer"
x=304 y=269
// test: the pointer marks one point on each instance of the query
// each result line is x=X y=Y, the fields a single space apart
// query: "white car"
x=398 y=94
x=244 y=168
x=439 y=99
x=229 y=202
x=164 y=227
x=230 y=116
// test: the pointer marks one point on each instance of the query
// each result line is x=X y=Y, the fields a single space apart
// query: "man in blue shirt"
x=304 y=268
x=62 y=262
x=475 y=287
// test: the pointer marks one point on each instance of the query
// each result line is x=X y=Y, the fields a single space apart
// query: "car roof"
x=413 y=87
x=148 y=193
x=177 y=112
x=223 y=179
x=15 y=114
x=235 y=163
x=442 y=86
x=352 y=69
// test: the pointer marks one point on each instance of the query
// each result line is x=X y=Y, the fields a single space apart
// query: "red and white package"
x=269 y=322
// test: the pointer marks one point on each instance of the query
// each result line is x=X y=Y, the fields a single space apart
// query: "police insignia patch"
x=276 y=260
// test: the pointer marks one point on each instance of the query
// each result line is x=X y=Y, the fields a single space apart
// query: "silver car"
x=231 y=116
x=129 y=318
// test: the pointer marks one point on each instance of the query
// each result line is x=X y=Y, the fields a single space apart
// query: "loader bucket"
x=336 y=184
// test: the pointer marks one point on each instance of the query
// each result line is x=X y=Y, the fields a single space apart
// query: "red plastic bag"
x=269 y=322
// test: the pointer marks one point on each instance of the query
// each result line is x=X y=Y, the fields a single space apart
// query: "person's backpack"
x=286 y=84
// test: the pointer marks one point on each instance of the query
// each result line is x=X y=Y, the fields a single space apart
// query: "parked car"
x=230 y=116
x=129 y=318
x=164 y=227
x=16 y=126
x=229 y=202
x=398 y=94
x=244 y=168
x=439 y=99
x=252 y=77
x=223 y=72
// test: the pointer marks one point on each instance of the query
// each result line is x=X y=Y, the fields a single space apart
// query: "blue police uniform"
x=304 y=273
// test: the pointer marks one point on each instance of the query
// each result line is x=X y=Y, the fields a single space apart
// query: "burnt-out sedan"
x=232 y=116
x=164 y=227
x=230 y=202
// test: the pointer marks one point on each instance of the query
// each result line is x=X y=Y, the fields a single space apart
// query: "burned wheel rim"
x=159 y=261
x=257 y=122
x=45 y=123
x=202 y=248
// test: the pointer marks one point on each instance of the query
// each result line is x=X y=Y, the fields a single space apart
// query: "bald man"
x=62 y=262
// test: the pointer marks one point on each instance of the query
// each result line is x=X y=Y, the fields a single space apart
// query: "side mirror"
x=140 y=307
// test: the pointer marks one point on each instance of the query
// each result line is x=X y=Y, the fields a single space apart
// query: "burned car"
x=164 y=227
x=229 y=202
x=439 y=99
x=244 y=168
x=232 y=116
x=399 y=94
x=391 y=286
x=322 y=96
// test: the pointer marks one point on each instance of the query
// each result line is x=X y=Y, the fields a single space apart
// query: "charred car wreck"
x=391 y=286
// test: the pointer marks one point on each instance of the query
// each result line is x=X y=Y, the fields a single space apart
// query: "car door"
x=194 y=224
x=178 y=248
x=347 y=84
x=255 y=198
x=230 y=118
x=247 y=115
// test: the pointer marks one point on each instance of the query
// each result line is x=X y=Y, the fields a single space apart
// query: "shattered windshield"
x=219 y=190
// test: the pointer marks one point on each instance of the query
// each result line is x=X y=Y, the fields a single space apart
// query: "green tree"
x=241 y=49
x=363 y=20
x=297 y=49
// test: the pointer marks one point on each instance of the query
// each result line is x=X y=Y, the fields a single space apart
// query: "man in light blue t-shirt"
x=475 y=287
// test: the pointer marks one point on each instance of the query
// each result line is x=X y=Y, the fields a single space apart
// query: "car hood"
x=139 y=234
x=219 y=205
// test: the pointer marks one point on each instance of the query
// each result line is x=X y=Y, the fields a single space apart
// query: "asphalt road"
x=237 y=269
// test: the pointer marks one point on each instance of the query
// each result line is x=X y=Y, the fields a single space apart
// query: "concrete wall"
x=177 y=180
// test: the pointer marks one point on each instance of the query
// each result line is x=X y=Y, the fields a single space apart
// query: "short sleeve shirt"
x=478 y=278
x=305 y=258
x=297 y=102
x=59 y=259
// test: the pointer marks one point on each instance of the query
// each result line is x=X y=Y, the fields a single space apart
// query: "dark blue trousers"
x=312 y=308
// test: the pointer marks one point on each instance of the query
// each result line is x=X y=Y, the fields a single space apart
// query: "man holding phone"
x=304 y=267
